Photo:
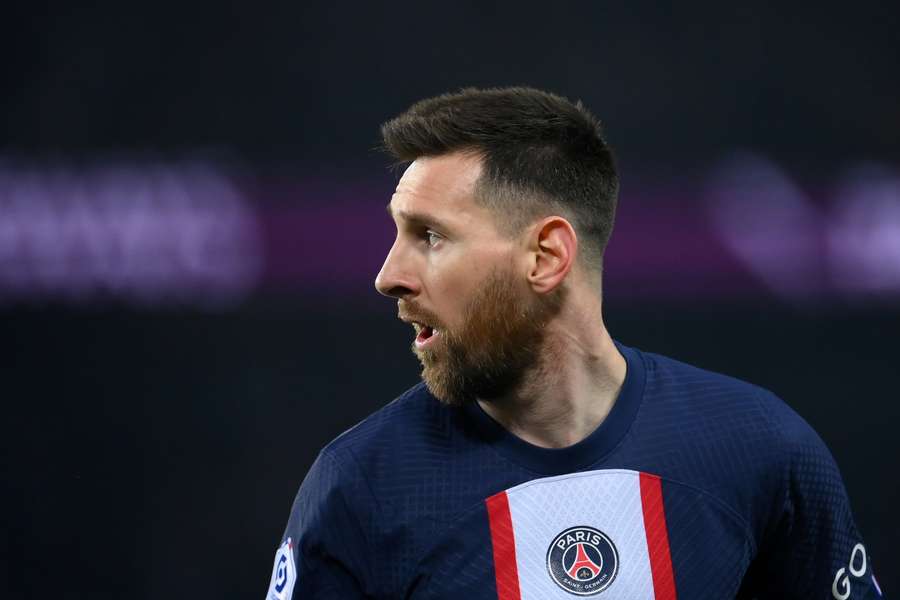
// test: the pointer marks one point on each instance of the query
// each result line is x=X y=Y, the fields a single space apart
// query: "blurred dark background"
x=191 y=217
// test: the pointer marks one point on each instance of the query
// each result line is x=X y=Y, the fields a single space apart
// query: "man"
x=541 y=459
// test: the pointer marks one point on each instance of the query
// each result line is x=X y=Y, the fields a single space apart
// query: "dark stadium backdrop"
x=191 y=216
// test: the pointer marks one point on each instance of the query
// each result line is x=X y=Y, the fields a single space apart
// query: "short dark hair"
x=541 y=154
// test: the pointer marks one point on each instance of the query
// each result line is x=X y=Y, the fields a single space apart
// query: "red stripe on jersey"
x=657 y=537
x=505 y=570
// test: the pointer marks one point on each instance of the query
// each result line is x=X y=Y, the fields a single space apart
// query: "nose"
x=395 y=279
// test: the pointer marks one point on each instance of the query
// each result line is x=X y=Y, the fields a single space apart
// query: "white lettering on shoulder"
x=840 y=587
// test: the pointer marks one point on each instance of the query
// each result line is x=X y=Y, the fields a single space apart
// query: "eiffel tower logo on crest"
x=584 y=567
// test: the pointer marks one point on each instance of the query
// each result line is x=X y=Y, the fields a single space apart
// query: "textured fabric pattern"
x=609 y=501
x=753 y=503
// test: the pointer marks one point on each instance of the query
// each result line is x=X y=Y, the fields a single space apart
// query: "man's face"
x=461 y=284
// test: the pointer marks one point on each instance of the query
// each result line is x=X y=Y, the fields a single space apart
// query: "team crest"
x=583 y=561
x=284 y=573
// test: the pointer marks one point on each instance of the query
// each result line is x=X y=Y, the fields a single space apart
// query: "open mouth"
x=425 y=334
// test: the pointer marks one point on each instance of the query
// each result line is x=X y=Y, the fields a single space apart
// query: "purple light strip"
x=155 y=234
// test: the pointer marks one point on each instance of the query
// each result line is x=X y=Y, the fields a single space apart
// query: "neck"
x=564 y=398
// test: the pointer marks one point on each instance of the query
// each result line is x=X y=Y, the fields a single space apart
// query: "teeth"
x=419 y=327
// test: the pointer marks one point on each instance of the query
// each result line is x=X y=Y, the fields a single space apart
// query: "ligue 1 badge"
x=583 y=561
x=284 y=573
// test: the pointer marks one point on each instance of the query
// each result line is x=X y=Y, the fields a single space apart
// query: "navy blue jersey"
x=695 y=486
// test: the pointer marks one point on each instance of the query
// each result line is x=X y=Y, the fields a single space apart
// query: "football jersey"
x=696 y=485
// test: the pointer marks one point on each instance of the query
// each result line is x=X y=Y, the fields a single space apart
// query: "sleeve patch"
x=284 y=573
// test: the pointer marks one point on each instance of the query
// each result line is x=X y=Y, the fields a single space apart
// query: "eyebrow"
x=417 y=218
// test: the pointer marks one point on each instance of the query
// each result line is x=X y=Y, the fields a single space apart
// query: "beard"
x=500 y=341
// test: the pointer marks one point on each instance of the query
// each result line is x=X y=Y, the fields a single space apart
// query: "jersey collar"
x=587 y=452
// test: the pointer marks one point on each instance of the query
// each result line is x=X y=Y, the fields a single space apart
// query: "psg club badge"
x=583 y=561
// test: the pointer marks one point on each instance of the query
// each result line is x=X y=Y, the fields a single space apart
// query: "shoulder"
x=341 y=514
x=721 y=403
x=403 y=419
x=735 y=440
x=347 y=469
x=675 y=376
x=409 y=439
x=416 y=447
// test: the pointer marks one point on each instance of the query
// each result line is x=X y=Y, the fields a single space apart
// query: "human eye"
x=432 y=238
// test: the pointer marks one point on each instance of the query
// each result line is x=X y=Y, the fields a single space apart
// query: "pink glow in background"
x=192 y=234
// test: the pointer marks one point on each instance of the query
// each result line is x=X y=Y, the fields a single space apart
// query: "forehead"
x=442 y=186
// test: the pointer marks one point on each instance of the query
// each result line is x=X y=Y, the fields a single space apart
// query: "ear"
x=553 y=247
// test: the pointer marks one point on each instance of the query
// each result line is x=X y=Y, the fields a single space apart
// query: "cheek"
x=457 y=276
x=450 y=292
x=450 y=299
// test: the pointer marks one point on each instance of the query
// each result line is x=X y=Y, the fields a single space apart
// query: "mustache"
x=408 y=311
